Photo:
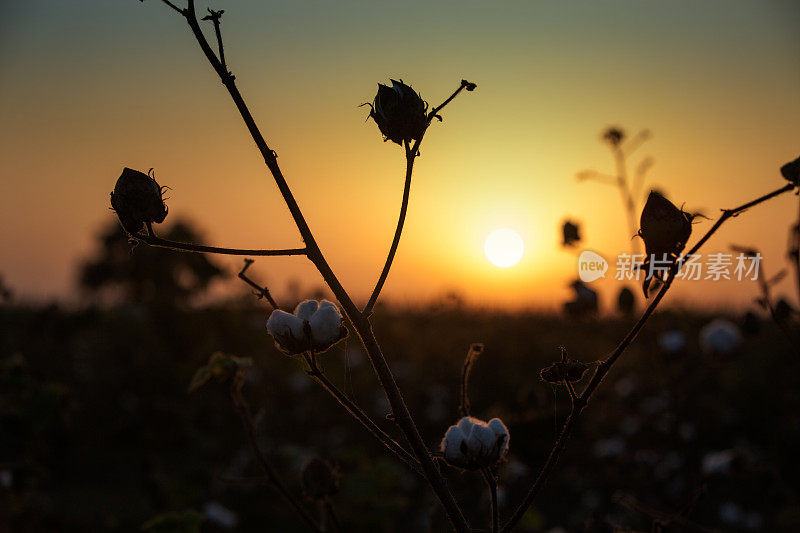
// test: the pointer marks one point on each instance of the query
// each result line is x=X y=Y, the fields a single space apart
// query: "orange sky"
x=91 y=86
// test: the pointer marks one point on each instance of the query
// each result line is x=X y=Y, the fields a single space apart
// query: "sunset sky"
x=91 y=86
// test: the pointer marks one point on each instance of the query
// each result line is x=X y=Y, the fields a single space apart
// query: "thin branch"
x=628 y=201
x=393 y=446
x=331 y=512
x=362 y=326
x=272 y=475
x=373 y=299
x=472 y=355
x=215 y=17
x=593 y=175
x=158 y=242
x=605 y=366
x=469 y=86
x=262 y=292
x=491 y=482
x=634 y=143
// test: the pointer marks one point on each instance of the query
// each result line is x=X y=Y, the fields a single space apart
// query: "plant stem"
x=263 y=292
x=272 y=475
x=360 y=323
x=331 y=512
x=491 y=482
x=410 y=157
x=393 y=446
x=604 y=367
x=627 y=197
x=158 y=242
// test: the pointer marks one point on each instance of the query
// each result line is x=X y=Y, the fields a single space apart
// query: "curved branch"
x=158 y=242
x=604 y=367
x=373 y=299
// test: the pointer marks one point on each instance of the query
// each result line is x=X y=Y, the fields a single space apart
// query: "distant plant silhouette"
x=471 y=444
x=630 y=186
x=148 y=276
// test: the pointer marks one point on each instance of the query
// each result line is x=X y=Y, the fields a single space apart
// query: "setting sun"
x=503 y=247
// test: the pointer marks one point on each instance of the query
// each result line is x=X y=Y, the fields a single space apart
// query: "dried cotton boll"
x=138 y=200
x=399 y=112
x=791 y=171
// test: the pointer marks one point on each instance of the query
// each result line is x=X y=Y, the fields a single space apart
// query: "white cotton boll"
x=327 y=303
x=220 y=515
x=718 y=462
x=305 y=309
x=283 y=324
x=720 y=336
x=326 y=325
x=451 y=444
x=500 y=429
x=482 y=440
x=466 y=424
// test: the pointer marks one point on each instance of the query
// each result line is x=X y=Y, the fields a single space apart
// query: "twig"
x=158 y=242
x=262 y=292
x=472 y=355
x=215 y=17
x=603 y=368
x=627 y=196
x=331 y=512
x=360 y=322
x=393 y=446
x=411 y=154
x=272 y=475
x=491 y=482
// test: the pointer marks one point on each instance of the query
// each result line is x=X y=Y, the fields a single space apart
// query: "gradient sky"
x=90 y=86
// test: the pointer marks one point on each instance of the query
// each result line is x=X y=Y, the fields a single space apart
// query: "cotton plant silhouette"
x=630 y=185
x=470 y=444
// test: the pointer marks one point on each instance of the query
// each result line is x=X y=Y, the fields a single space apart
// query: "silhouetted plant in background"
x=147 y=276
x=630 y=187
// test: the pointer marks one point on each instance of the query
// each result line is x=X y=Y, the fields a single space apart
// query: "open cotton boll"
x=326 y=325
x=282 y=324
x=466 y=424
x=451 y=445
x=500 y=430
x=305 y=309
x=472 y=444
x=482 y=440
